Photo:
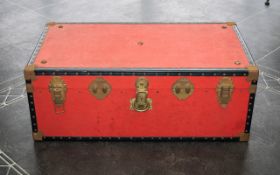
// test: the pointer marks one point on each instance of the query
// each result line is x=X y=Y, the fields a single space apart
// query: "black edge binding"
x=244 y=45
x=250 y=110
x=140 y=72
x=152 y=139
x=32 y=112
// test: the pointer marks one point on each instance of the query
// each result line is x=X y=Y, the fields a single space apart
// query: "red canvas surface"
x=198 y=116
x=141 y=46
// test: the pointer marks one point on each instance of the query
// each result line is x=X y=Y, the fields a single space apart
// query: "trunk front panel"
x=200 y=115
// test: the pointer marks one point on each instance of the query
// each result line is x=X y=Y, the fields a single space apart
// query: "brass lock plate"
x=224 y=91
x=141 y=102
x=58 y=89
x=100 y=88
x=182 y=88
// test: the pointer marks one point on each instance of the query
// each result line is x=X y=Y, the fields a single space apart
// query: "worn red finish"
x=133 y=46
x=142 y=46
x=199 y=116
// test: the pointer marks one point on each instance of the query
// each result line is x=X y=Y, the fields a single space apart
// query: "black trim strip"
x=142 y=72
x=219 y=139
x=32 y=112
x=250 y=109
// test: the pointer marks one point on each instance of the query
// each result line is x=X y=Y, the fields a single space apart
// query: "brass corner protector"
x=29 y=87
x=51 y=23
x=244 y=137
x=29 y=72
x=231 y=23
x=253 y=73
x=37 y=136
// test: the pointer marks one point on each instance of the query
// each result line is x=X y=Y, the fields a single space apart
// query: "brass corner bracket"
x=37 y=136
x=29 y=72
x=253 y=73
x=244 y=137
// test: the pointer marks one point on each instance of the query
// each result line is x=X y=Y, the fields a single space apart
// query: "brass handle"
x=141 y=103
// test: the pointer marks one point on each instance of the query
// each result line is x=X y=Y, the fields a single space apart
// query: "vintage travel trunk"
x=134 y=81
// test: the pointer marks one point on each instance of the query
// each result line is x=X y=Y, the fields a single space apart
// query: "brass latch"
x=224 y=91
x=58 y=89
x=182 y=88
x=141 y=103
x=99 y=88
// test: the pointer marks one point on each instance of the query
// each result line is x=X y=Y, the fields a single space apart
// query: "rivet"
x=60 y=26
x=140 y=43
x=43 y=61
x=224 y=27
x=237 y=62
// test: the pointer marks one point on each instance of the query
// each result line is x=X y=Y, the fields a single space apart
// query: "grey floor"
x=21 y=23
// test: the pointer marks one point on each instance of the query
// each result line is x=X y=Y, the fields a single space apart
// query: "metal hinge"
x=244 y=137
x=253 y=89
x=29 y=72
x=253 y=73
x=37 y=136
x=51 y=23
x=230 y=23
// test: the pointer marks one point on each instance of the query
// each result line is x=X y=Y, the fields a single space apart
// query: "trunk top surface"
x=141 y=46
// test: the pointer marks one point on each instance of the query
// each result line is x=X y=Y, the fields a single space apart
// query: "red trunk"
x=145 y=81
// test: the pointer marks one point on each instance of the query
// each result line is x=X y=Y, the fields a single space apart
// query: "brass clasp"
x=141 y=103
x=58 y=89
x=224 y=91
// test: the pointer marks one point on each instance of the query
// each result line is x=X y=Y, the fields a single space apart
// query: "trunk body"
x=141 y=81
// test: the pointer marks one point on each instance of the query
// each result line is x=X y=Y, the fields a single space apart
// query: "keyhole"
x=104 y=89
x=177 y=90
